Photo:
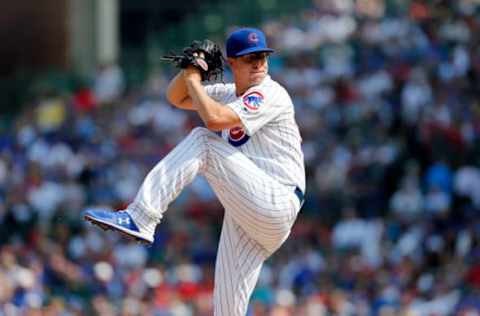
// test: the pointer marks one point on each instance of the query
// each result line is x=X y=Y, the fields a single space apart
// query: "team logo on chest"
x=237 y=136
x=253 y=100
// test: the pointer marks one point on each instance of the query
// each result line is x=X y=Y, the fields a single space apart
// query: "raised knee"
x=200 y=137
x=200 y=131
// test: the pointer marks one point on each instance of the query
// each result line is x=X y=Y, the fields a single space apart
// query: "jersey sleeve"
x=256 y=107
x=217 y=91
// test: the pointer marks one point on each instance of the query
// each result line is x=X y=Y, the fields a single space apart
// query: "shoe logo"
x=123 y=220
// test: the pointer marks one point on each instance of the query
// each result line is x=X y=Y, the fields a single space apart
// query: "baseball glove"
x=206 y=55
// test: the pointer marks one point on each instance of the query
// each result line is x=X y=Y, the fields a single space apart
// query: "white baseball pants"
x=259 y=211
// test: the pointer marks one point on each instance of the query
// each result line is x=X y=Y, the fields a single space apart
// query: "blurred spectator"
x=51 y=114
x=109 y=83
x=387 y=98
x=408 y=202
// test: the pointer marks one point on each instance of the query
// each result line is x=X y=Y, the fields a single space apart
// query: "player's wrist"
x=192 y=75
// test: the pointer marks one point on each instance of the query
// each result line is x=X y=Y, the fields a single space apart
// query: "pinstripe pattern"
x=239 y=261
x=267 y=206
x=259 y=210
x=254 y=180
x=275 y=146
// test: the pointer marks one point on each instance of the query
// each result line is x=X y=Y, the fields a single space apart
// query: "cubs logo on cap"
x=253 y=100
x=253 y=37
x=246 y=41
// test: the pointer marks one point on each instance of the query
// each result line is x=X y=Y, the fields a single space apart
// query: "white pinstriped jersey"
x=270 y=135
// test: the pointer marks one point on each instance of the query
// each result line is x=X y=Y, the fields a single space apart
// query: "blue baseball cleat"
x=120 y=221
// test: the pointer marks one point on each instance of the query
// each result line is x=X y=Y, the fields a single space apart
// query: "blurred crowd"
x=387 y=97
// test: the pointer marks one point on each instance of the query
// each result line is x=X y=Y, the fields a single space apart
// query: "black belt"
x=300 y=195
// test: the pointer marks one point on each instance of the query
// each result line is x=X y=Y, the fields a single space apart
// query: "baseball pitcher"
x=256 y=167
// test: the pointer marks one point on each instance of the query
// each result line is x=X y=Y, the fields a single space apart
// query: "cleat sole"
x=107 y=227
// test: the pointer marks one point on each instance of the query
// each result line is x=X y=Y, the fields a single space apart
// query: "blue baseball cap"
x=246 y=41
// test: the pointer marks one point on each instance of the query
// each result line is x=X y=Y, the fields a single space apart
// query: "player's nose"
x=256 y=64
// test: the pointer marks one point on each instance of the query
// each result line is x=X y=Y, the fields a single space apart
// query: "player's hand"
x=205 y=55
x=192 y=73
